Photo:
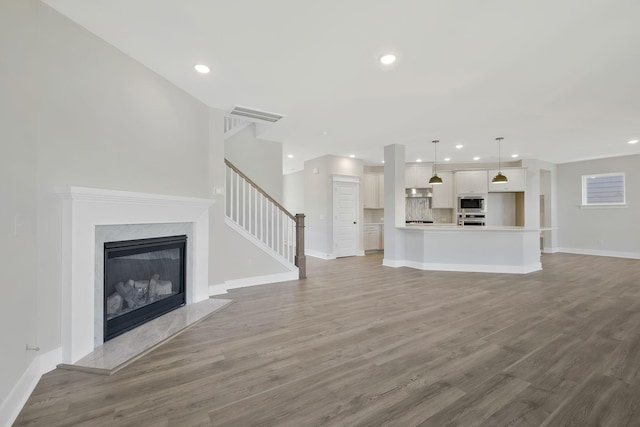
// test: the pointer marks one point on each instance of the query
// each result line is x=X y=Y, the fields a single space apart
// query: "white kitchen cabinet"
x=372 y=237
x=373 y=189
x=443 y=193
x=417 y=176
x=471 y=182
x=516 y=180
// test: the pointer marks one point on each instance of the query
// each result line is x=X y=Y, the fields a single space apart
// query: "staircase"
x=234 y=125
x=253 y=213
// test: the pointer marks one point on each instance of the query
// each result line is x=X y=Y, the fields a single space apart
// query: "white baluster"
x=244 y=202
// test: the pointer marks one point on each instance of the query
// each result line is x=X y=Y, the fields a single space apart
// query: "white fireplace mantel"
x=85 y=208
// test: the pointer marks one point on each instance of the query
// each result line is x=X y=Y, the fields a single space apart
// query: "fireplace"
x=143 y=279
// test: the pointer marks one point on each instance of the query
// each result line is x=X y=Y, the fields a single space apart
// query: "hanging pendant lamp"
x=435 y=179
x=499 y=179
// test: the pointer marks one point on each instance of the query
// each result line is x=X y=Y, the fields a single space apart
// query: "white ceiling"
x=559 y=80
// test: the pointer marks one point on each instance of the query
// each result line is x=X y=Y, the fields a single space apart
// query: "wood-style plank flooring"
x=358 y=344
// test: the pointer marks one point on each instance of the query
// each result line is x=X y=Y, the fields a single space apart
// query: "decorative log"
x=159 y=287
x=128 y=292
x=114 y=303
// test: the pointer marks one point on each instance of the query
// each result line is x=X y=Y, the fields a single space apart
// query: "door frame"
x=350 y=179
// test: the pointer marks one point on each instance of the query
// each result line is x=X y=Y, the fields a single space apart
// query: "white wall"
x=604 y=231
x=318 y=205
x=18 y=248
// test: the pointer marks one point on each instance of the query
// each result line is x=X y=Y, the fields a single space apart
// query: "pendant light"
x=499 y=179
x=435 y=179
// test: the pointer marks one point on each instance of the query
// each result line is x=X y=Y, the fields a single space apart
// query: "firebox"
x=143 y=279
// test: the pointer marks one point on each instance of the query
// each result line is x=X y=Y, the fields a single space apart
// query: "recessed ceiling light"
x=202 y=69
x=418 y=160
x=352 y=156
x=446 y=159
x=459 y=146
x=476 y=158
x=633 y=141
x=290 y=156
x=514 y=155
x=383 y=161
x=324 y=133
x=388 y=59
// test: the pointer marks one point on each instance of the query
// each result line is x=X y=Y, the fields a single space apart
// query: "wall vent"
x=255 y=115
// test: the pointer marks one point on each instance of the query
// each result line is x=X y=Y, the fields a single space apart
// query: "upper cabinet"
x=373 y=188
x=516 y=180
x=443 y=193
x=471 y=182
x=417 y=176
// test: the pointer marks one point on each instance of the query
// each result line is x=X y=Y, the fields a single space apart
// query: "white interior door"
x=345 y=218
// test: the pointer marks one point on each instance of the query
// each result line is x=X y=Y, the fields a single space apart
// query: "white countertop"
x=453 y=227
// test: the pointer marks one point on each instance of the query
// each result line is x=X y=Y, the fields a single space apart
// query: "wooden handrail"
x=300 y=259
x=260 y=190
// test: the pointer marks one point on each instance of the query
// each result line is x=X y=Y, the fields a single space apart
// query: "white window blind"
x=603 y=189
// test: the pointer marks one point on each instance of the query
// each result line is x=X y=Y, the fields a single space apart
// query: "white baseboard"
x=317 y=254
x=596 y=252
x=469 y=268
x=252 y=281
x=550 y=250
x=322 y=255
x=392 y=263
x=50 y=360
x=18 y=396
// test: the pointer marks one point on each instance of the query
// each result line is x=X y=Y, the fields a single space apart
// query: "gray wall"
x=293 y=192
x=18 y=249
x=605 y=231
x=75 y=111
x=260 y=160
x=105 y=121
x=318 y=204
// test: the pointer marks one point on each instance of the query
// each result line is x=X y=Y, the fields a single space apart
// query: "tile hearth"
x=122 y=350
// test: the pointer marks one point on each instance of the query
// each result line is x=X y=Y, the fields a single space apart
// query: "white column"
x=394 y=204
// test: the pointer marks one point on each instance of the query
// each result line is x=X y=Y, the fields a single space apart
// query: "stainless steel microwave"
x=474 y=203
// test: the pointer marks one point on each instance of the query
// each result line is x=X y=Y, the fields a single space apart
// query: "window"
x=603 y=189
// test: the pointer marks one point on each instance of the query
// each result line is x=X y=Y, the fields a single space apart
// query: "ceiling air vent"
x=254 y=115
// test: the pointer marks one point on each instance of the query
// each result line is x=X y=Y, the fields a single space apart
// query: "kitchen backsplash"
x=376 y=216
x=373 y=216
x=418 y=209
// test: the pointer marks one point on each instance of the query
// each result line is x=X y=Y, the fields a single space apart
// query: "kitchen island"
x=468 y=248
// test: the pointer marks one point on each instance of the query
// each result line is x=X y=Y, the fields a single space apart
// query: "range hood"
x=418 y=192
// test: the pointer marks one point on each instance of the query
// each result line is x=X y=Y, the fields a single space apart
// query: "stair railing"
x=259 y=214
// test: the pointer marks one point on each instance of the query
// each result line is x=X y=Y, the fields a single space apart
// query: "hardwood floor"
x=361 y=344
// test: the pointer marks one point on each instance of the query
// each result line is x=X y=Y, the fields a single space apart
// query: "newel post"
x=300 y=259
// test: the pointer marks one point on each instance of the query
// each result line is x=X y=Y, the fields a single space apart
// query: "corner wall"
x=608 y=231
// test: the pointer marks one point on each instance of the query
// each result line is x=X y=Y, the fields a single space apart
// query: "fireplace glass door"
x=143 y=279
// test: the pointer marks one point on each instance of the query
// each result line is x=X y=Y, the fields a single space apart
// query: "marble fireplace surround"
x=90 y=216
